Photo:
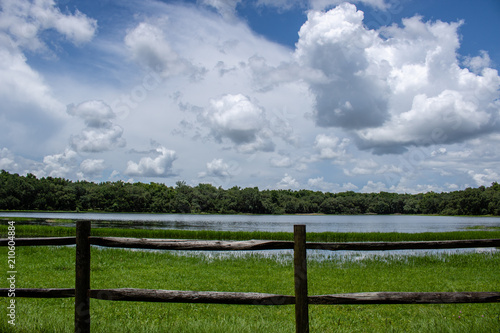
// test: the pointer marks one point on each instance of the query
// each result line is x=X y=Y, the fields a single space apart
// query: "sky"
x=366 y=96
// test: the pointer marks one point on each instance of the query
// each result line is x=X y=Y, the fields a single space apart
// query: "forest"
x=58 y=194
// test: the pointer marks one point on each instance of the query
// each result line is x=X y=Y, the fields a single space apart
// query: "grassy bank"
x=58 y=231
x=46 y=267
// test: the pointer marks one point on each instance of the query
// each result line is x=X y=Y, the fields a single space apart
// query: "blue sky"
x=368 y=96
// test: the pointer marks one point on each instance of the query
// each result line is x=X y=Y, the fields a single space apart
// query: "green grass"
x=58 y=231
x=45 y=267
x=483 y=227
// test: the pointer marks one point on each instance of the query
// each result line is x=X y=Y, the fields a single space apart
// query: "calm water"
x=317 y=223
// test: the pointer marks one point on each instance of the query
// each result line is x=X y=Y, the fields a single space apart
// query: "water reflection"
x=286 y=256
x=316 y=223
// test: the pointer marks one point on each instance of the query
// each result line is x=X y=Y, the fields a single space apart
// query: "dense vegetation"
x=30 y=193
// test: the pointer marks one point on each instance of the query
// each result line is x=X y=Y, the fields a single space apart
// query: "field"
x=50 y=267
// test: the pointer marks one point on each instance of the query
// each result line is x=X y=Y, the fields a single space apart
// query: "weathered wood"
x=387 y=246
x=175 y=244
x=82 y=277
x=180 y=296
x=182 y=244
x=40 y=293
x=407 y=298
x=176 y=296
x=300 y=277
x=41 y=241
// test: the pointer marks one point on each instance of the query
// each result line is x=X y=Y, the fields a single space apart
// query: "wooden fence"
x=82 y=291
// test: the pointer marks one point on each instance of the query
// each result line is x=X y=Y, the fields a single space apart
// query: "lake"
x=314 y=223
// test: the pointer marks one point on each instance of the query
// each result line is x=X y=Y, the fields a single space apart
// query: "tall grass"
x=58 y=231
x=46 y=267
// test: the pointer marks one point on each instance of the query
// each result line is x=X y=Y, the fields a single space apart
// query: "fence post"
x=300 y=274
x=82 y=277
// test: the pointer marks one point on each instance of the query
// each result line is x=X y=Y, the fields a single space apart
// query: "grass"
x=59 y=231
x=45 y=267
x=483 y=227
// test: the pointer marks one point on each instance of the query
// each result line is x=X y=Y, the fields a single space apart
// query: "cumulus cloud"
x=485 y=177
x=100 y=134
x=330 y=147
x=23 y=20
x=478 y=63
x=7 y=160
x=92 y=167
x=220 y=172
x=320 y=184
x=216 y=168
x=237 y=119
x=59 y=165
x=335 y=43
x=159 y=166
x=288 y=182
x=151 y=49
x=387 y=86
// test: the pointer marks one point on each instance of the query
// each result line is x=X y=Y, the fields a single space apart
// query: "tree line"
x=59 y=194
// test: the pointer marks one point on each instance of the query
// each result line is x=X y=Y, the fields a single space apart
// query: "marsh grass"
x=59 y=231
x=45 y=267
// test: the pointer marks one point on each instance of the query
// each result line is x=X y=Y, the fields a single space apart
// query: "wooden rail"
x=82 y=292
x=217 y=297
x=253 y=245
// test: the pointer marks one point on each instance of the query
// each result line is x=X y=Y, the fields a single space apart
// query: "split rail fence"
x=83 y=293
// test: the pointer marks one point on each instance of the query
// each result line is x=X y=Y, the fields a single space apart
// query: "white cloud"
x=24 y=20
x=288 y=182
x=22 y=85
x=160 y=166
x=217 y=168
x=363 y=167
x=485 y=178
x=58 y=165
x=95 y=140
x=92 y=167
x=439 y=151
x=95 y=113
x=237 y=118
x=220 y=173
x=100 y=133
x=479 y=63
x=31 y=110
x=335 y=43
x=150 y=48
x=330 y=147
x=320 y=184
x=387 y=86
x=7 y=161
x=374 y=187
